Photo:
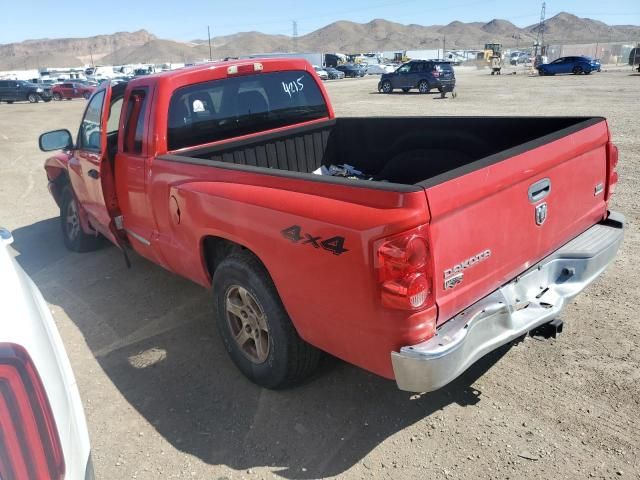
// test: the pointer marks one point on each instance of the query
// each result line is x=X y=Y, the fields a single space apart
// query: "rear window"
x=445 y=67
x=221 y=109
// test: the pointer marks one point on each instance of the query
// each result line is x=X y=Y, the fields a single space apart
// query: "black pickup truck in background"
x=21 y=91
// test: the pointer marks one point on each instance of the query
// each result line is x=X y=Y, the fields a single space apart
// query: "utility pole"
x=540 y=32
x=444 y=44
x=209 y=35
x=295 y=36
x=91 y=54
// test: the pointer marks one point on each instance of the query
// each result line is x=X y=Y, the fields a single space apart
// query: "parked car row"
x=23 y=91
x=352 y=70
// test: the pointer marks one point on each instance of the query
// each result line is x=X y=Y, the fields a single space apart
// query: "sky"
x=188 y=19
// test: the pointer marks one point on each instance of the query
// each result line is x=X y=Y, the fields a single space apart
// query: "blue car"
x=575 y=65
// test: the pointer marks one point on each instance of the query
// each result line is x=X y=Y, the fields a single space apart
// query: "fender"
x=57 y=168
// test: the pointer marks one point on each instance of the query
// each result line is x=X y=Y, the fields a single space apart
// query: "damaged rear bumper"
x=530 y=300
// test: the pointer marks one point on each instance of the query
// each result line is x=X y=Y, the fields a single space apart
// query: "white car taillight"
x=29 y=442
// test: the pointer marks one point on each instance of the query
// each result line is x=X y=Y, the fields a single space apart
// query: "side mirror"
x=55 y=140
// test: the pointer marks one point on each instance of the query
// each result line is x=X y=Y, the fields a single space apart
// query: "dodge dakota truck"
x=443 y=247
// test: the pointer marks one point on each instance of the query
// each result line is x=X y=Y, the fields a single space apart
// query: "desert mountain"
x=341 y=36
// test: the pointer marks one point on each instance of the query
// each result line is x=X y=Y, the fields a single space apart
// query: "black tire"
x=57 y=97
x=587 y=72
x=405 y=90
x=386 y=87
x=46 y=100
x=73 y=236
x=577 y=70
x=9 y=102
x=32 y=98
x=86 y=95
x=423 y=86
x=288 y=359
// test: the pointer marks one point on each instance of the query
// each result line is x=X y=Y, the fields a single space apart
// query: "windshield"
x=221 y=109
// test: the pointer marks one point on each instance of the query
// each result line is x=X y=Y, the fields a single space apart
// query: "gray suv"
x=19 y=90
x=424 y=75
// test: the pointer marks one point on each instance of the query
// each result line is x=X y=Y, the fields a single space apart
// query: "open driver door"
x=91 y=165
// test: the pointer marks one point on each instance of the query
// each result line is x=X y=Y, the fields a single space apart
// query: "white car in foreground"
x=43 y=431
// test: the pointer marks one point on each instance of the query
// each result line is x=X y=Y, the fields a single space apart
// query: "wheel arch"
x=214 y=249
x=58 y=177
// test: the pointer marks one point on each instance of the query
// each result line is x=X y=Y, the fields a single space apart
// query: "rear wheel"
x=74 y=237
x=386 y=87
x=86 y=95
x=57 y=97
x=9 y=102
x=255 y=327
x=32 y=97
x=587 y=72
x=577 y=70
x=423 y=86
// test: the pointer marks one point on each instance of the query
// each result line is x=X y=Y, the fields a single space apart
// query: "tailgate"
x=494 y=218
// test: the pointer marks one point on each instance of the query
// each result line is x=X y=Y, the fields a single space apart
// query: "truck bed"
x=400 y=153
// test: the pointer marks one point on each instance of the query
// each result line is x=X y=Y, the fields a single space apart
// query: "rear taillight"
x=612 y=173
x=404 y=272
x=29 y=442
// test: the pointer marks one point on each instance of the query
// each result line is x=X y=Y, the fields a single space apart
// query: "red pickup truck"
x=432 y=246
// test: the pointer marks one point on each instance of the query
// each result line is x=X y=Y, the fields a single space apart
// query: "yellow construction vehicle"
x=493 y=55
x=492 y=50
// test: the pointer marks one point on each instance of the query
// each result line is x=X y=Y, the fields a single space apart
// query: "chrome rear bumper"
x=530 y=300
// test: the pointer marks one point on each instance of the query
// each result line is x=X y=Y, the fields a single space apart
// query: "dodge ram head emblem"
x=541 y=213
x=454 y=275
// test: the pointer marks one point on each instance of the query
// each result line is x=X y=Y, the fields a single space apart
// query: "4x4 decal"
x=334 y=245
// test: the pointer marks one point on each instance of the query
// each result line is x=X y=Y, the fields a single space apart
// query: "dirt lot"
x=164 y=401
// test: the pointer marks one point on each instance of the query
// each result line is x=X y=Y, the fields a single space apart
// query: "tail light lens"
x=29 y=442
x=404 y=272
x=612 y=173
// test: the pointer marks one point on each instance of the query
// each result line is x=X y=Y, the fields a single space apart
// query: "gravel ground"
x=163 y=400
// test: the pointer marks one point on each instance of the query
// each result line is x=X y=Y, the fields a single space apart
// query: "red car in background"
x=69 y=90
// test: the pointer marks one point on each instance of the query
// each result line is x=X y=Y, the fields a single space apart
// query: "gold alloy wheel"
x=247 y=324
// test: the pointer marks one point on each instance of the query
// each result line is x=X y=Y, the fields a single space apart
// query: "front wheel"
x=423 y=86
x=32 y=97
x=577 y=70
x=74 y=237
x=255 y=328
x=57 y=97
x=386 y=87
x=86 y=95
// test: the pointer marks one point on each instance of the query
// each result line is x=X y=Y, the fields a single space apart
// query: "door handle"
x=93 y=174
x=539 y=190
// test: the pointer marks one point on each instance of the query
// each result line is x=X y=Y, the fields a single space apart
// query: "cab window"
x=89 y=134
